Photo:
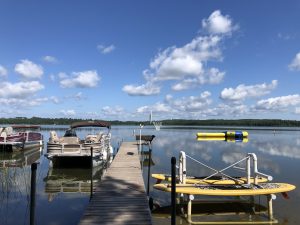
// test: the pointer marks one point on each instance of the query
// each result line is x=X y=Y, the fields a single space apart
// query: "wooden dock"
x=120 y=197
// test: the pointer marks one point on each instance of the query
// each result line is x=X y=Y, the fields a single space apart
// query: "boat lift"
x=250 y=157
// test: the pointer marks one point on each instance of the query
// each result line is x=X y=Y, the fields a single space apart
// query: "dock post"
x=32 y=193
x=149 y=167
x=173 y=191
x=91 y=194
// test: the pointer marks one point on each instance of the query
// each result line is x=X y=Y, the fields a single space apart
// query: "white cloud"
x=278 y=103
x=85 y=79
x=112 y=111
x=297 y=110
x=62 y=75
x=218 y=24
x=29 y=70
x=158 y=107
x=25 y=102
x=212 y=76
x=242 y=91
x=20 y=89
x=230 y=111
x=187 y=61
x=50 y=59
x=54 y=99
x=69 y=112
x=106 y=49
x=190 y=107
x=188 y=64
x=78 y=96
x=3 y=71
x=295 y=64
x=142 y=90
x=192 y=103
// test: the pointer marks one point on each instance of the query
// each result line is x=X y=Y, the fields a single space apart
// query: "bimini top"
x=90 y=124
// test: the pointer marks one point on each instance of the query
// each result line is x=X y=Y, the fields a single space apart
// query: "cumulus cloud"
x=157 y=107
x=212 y=76
x=3 y=71
x=50 y=59
x=183 y=107
x=187 y=65
x=192 y=103
x=20 y=89
x=218 y=23
x=278 y=103
x=106 y=49
x=25 y=102
x=85 y=79
x=112 y=111
x=142 y=90
x=69 y=112
x=29 y=70
x=295 y=64
x=176 y=63
x=241 y=92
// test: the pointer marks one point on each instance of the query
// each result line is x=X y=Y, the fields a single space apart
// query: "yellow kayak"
x=228 y=190
x=212 y=180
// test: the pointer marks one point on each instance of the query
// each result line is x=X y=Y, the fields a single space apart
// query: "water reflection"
x=76 y=180
x=20 y=158
x=271 y=150
x=15 y=184
x=220 y=210
x=278 y=155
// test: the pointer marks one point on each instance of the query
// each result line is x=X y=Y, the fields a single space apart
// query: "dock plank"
x=120 y=198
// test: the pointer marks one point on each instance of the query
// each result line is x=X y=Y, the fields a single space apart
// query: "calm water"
x=63 y=194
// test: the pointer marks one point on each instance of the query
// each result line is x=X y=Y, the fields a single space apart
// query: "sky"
x=121 y=60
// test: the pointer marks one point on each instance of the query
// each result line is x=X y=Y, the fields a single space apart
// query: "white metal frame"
x=250 y=156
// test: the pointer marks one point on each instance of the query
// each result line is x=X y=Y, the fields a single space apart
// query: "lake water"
x=63 y=194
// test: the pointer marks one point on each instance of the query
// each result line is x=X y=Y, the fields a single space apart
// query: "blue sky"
x=123 y=59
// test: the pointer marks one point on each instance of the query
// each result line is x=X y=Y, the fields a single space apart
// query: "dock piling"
x=32 y=193
x=173 y=191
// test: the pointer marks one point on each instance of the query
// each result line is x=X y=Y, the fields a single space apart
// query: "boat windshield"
x=70 y=133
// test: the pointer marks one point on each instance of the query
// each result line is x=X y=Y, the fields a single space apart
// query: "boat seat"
x=69 y=140
x=3 y=133
x=94 y=138
x=91 y=138
x=53 y=137
x=8 y=130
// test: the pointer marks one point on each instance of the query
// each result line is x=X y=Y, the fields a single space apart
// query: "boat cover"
x=91 y=124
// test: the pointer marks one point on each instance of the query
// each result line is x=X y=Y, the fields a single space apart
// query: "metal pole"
x=173 y=191
x=270 y=207
x=149 y=166
x=32 y=193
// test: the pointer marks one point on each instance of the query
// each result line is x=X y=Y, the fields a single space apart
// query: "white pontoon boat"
x=70 y=145
x=12 y=141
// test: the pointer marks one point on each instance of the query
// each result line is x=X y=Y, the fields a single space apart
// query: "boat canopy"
x=91 y=124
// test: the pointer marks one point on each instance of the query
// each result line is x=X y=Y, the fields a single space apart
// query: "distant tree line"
x=240 y=122
x=173 y=122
